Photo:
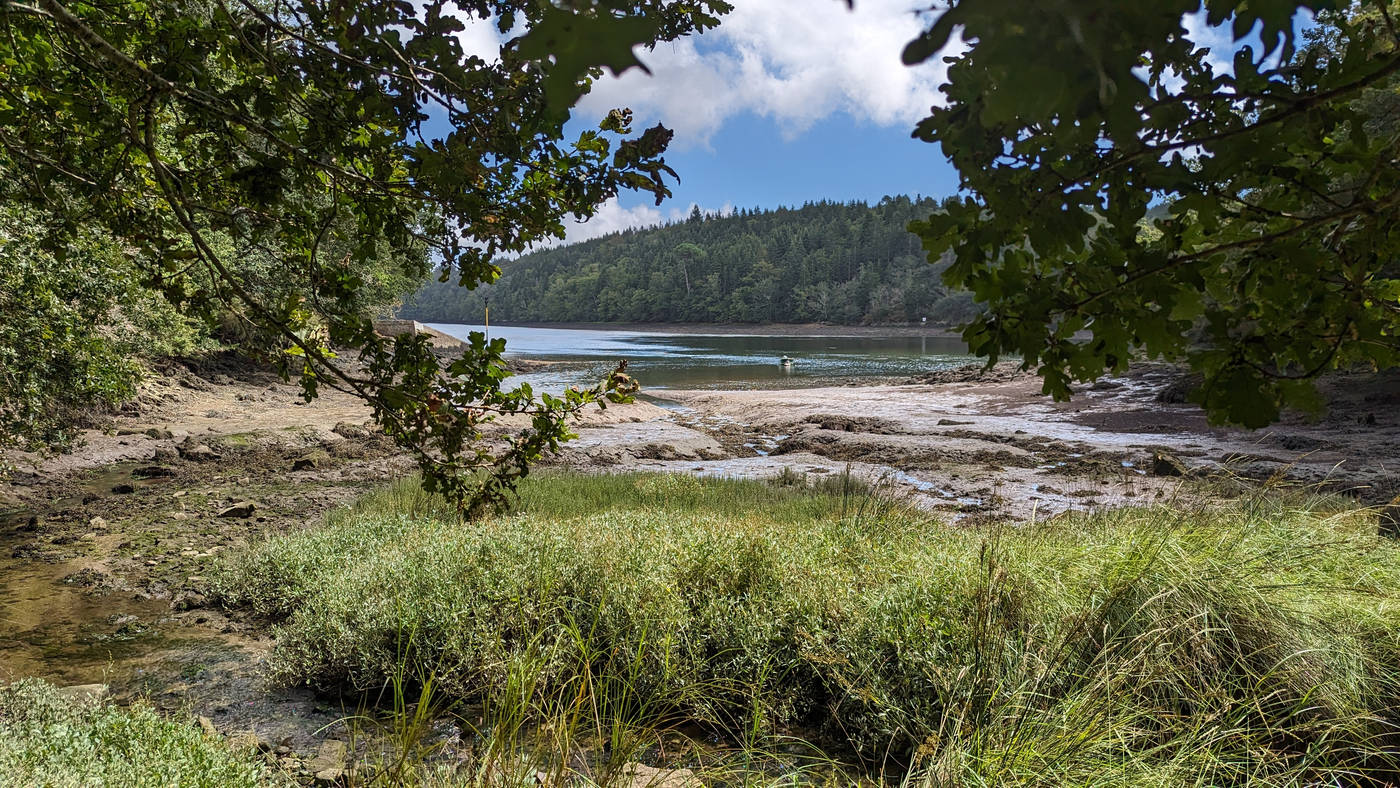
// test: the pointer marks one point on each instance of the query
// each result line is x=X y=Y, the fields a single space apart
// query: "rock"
x=159 y=433
x=153 y=472
x=245 y=742
x=198 y=452
x=951 y=423
x=124 y=488
x=347 y=430
x=304 y=463
x=188 y=600
x=243 y=509
x=1390 y=518
x=207 y=725
x=97 y=522
x=166 y=454
x=1178 y=391
x=639 y=775
x=330 y=761
x=84 y=693
x=1164 y=464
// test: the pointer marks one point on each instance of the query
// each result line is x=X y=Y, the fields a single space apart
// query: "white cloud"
x=795 y=61
x=611 y=217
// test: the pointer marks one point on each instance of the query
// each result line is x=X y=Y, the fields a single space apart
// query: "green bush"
x=74 y=322
x=49 y=740
x=1140 y=646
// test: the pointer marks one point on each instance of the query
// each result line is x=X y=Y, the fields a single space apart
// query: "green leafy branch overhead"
x=1123 y=193
x=328 y=137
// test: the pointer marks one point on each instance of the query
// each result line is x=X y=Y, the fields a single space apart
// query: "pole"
x=488 y=319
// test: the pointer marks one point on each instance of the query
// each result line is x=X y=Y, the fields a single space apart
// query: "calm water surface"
x=662 y=361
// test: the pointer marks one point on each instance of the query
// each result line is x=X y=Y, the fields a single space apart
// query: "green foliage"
x=73 y=320
x=318 y=137
x=47 y=739
x=824 y=262
x=1073 y=126
x=1251 y=643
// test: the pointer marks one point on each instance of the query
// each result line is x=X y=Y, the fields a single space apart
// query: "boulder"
x=124 y=488
x=188 y=600
x=329 y=764
x=242 y=509
x=304 y=463
x=84 y=693
x=1390 y=518
x=1164 y=464
x=153 y=472
x=639 y=775
x=198 y=452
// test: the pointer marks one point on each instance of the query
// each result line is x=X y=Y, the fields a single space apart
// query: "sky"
x=787 y=101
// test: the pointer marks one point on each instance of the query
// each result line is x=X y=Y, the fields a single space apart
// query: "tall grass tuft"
x=1256 y=642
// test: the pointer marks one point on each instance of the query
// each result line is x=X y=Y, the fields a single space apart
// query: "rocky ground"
x=104 y=552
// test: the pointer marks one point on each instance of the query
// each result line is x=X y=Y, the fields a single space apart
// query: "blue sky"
x=751 y=163
x=789 y=101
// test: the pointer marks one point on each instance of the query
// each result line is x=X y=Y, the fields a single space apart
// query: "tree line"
x=829 y=262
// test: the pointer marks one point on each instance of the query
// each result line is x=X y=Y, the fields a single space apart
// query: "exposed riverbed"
x=105 y=553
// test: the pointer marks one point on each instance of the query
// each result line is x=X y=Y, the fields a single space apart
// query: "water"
x=661 y=361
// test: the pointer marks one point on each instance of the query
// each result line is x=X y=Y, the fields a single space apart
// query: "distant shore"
x=742 y=329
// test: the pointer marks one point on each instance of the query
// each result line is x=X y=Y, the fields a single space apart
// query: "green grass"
x=49 y=740
x=1250 y=643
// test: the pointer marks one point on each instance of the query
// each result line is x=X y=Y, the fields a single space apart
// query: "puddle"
x=68 y=622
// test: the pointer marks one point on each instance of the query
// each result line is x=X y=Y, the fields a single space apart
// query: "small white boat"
x=785 y=361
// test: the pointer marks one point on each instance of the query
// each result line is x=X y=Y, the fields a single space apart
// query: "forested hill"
x=847 y=263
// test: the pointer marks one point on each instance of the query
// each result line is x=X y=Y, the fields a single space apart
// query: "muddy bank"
x=991 y=446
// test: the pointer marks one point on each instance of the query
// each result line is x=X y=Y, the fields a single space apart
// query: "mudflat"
x=104 y=553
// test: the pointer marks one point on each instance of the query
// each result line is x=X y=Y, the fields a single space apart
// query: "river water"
x=667 y=360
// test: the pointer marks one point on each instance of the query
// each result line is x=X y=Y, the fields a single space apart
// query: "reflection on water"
x=720 y=361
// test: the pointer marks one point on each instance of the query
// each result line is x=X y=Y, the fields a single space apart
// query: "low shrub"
x=47 y=739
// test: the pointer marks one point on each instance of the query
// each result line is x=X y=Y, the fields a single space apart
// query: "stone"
x=1389 y=517
x=153 y=472
x=639 y=775
x=84 y=693
x=331 y=754
x=124 y=488
x=304 y=463
x=198 y=452
x=207 y=725
x=157 y=433
x=166 y=454
x=243 y=509
x=330 y=776
x=1164 y=464
x=97 y=522
x=188 y=600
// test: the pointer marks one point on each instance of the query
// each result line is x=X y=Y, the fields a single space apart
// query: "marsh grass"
x=1256 y=642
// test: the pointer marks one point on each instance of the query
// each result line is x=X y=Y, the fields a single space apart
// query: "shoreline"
x=735 y=329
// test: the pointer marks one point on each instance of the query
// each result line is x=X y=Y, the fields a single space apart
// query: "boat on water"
x=785 y=361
